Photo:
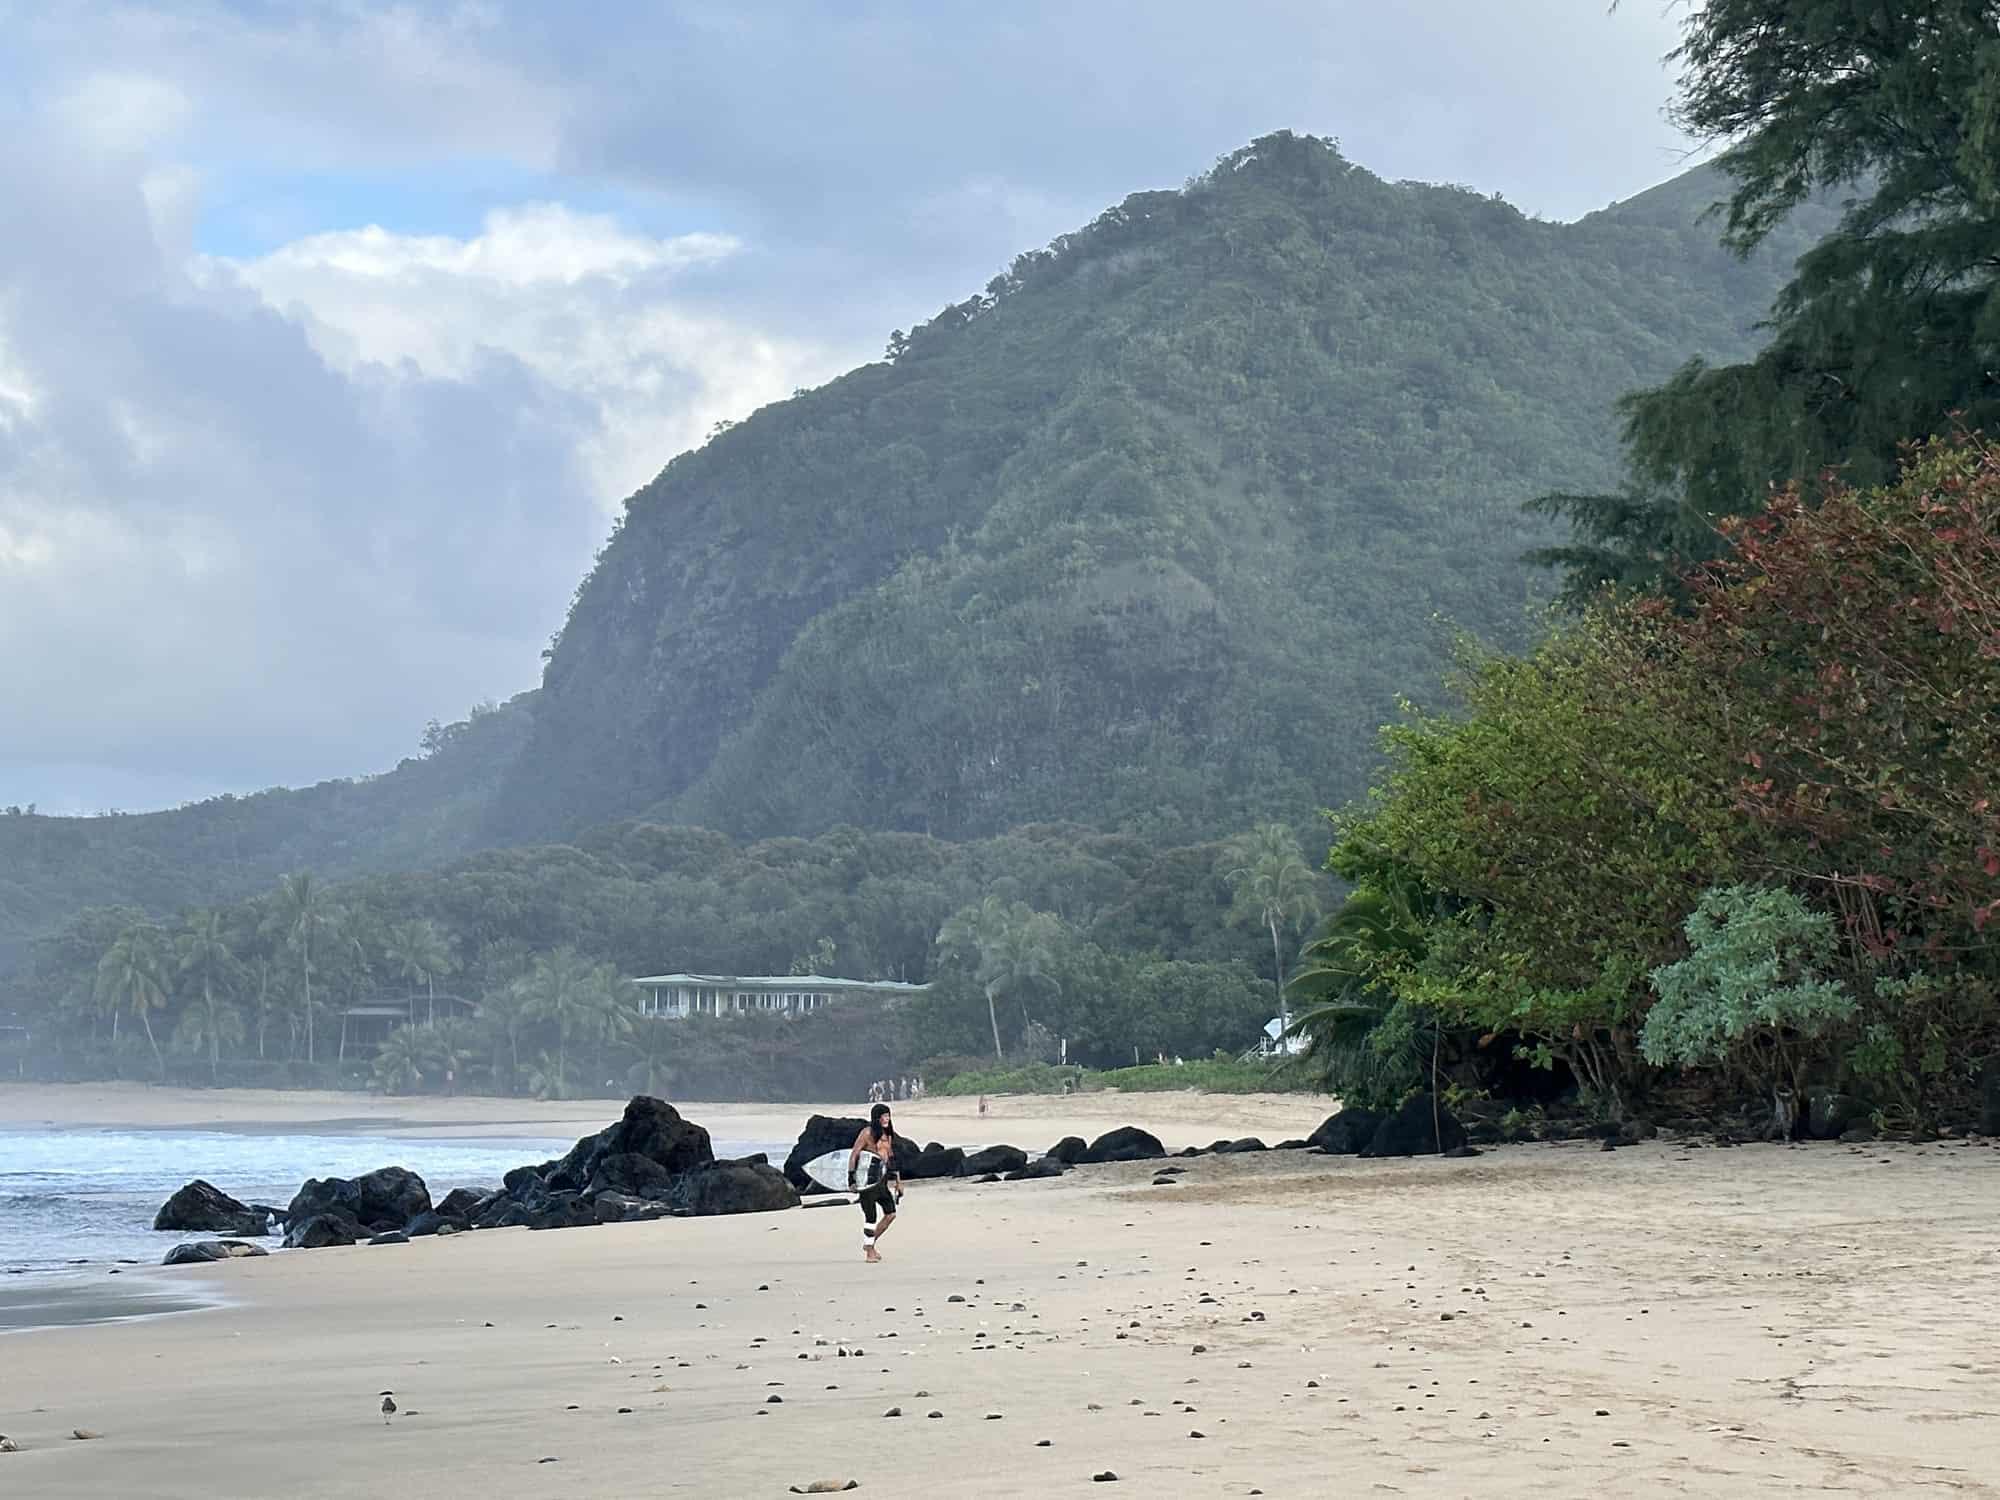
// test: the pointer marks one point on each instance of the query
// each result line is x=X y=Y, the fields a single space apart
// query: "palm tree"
x=1275 y=888
x=302 y=915
x=455 y=1042
x=266 y=997
x=1342 y=998
x=548 y=1077
x=1010 y=949
x=207 y=1028
x=503 y=1014
x=400 y=1064
x=652 y=1047
x=420 y=951
x=132 y=976
x=207 y=962
x=586 y=1001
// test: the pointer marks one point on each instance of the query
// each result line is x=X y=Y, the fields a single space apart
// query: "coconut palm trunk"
x=208 y=1021
x=1278 y=978
x=993 y=1015
x=159 y=1058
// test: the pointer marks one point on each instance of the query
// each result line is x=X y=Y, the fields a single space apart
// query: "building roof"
x=783 y=982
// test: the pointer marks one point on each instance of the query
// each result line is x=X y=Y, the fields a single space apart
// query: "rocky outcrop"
x=1069 y=1150
x=620 y=1208
x=200 y=1252
x=1421 y=1127
x=933 y=1161
x=734 y=1188
x=199 y=1207
x=650 y=1128
x=824 y=1133
x=991 y=1160
x=459 y=1203
x=317 y=1231
x=387 y=1198
x=1126 y=1143
x=627 y=1172
x=1346 y=1133
x=1232 y=1148
x=1045 y=1166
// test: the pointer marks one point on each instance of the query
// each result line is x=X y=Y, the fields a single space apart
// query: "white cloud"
x=118 y=110
x=259 y=521
x=583 y=303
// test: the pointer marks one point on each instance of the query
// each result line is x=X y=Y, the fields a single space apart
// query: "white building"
x=732 y=994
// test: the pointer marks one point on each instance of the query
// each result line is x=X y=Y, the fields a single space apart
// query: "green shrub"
x=1750 y=993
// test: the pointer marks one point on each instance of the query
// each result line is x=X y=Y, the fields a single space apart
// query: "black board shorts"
x=878 y=1196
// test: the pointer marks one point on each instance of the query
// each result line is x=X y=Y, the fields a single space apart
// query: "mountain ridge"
x=1173 y=408
x=1084 y=503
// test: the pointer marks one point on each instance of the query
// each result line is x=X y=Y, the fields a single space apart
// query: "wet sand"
x=1544 y=1321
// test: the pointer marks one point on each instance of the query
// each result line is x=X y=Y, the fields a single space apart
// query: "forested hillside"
x=1147 y=536
x=424 y=812
x=1144 y=537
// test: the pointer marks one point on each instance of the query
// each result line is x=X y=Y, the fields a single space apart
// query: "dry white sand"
x=1544 y=1321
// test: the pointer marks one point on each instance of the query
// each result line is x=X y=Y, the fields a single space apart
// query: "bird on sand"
x=388 y=1406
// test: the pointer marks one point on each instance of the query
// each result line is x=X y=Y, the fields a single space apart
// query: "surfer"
x=884 y=1185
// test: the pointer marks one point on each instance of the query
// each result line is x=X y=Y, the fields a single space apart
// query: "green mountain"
x=1149 y=535
x=428 y=810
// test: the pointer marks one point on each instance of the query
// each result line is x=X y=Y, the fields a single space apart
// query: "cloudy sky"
x=332 y=336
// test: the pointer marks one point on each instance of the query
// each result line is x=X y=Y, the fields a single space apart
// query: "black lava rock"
x=1346 y=1133
x=198 y=1206
x=1421 y=1127
x=993 y=1159
x=1070 y=1150
x=1126 y=1143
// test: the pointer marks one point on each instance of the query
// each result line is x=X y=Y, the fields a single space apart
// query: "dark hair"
x=875 y=1121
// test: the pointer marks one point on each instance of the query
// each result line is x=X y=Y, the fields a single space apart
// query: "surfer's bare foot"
x=870 y=1255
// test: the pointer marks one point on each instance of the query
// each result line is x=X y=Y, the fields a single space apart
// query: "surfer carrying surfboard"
x=881 y=1185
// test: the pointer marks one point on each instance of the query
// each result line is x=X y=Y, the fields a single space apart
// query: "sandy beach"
x=1031 y=1122
x=1546 y=1320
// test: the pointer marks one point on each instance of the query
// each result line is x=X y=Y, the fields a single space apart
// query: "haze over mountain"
x=1146 y=536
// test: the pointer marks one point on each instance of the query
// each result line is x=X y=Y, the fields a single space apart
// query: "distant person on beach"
x=883 y=1188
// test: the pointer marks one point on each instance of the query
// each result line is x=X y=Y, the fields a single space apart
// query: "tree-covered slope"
x=1146 y=536
x=426 y=811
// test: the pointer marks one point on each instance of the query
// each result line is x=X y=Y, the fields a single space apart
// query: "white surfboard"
x=830 y=1170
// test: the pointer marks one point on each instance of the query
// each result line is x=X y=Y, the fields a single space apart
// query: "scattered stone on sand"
x=84 y=1434
x=934 y=1414
x=8 y=1445
x=197 y=1252
x=1106 y=1476
x=894 y=1411
x=826 y=1487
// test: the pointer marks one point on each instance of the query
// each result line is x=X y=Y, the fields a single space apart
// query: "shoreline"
x=1547 y=1319
x=34 y=1301
x=1179 y=1119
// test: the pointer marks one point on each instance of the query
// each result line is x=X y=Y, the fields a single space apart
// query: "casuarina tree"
x=1889 y=330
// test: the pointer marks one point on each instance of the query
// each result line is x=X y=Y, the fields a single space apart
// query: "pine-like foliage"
x=1890 y=330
